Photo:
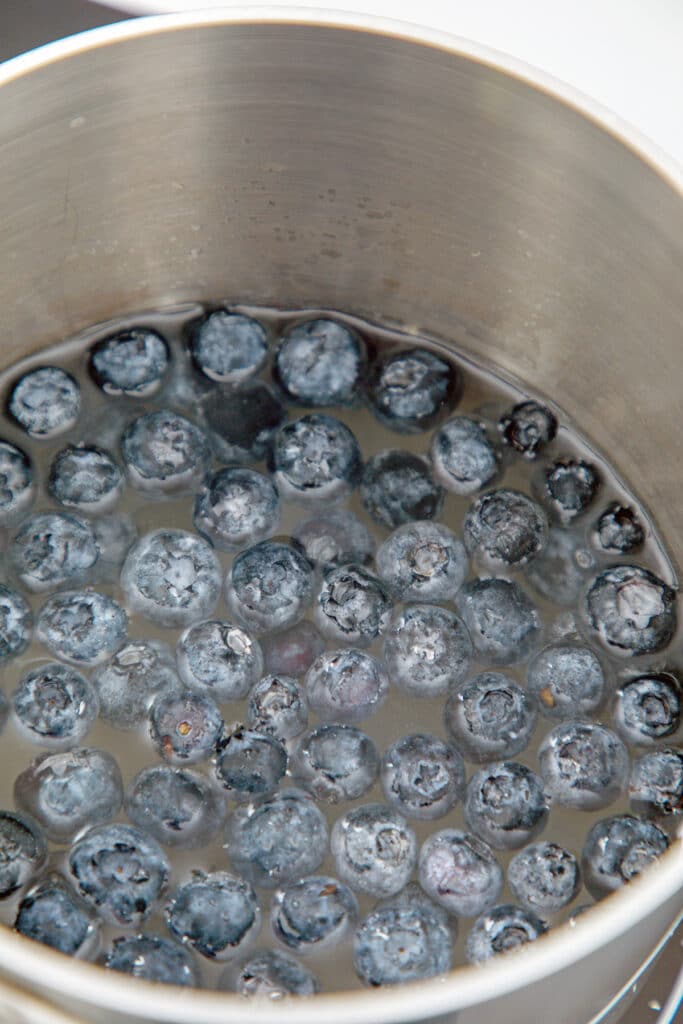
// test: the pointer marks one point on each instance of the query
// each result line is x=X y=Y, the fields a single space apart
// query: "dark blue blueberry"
x=237 y=507
x=502 y=620
x=506 y=805
x=229 y=347
x=131 y=363
x=422 y=561
x=313 y=914
x=320 y=362
x=23 y=851
x=120 y=871
x=269 y=586
x=422 y=776
x=584 y=765
x=17 y=484
x=16 y=624
x=52 y=914
x=114 y=535
x=172 y=577
x=165 y=454
x=353 y=606
x=219 y=660
x=85 y=478
x=178 y=806
x=656 y=786
x=567 y=680
x=544 y=877
x=54 y=706
x=153 y=958
x=567 y=488
x=185 y=727
x=460 y=872
x=631 y=610
x=82 y=626
x=463 y=457
x=269 y=974
x=293 y=651
x=335 y=762
x=70 y=791
x=490 y=717
x=315 y=459
x=412 y=389
x=45 y=402
x=250 y=764
x=139 y=672
x=619 y=530
x=648 y=708
x=426 y=649
x=505 y=528
x=52 y=548
x=528 y=427
x=397 y=487
x=277 y=706
x=617 y=849
x=333 y=539
x=396 y=944
x=217 y=914
x=242 y=422
x=561 y=569
x=375 y=849
x=346 y=686
x=500 y=930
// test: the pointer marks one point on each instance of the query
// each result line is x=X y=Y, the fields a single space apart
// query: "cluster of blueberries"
x=426 y=612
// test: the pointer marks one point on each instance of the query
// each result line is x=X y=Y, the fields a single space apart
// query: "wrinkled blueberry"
x=561 y=569
x=584 y=765
x=617 y=849
x=54 y=706
x=422 y=561
x=544 y=877
x=219 y=660
x=128 y=683
x=567 y=680
x=85 y=478
x=346 y=686
x=506 y=805
x=269 y=586
x=250 y=764
x=270 y=974
x=501 y=929
x=619 y=530
x=463 y=457
x=502 y=620
x=82 y=626
x=505 y=528
x=185 y=727
x=412 y=389
x=17 y=484
x=426 y=649
x=153 y=958
x=237 y=507
x=422 y=776
x=131 y=363
x=242 y=422
x=490 y=717
x=528 y=427
x=631 y=610
x=333 y=539
x=293 y=651
x=648 y=708
x=229 y=347
x=567 y=488
x=320 y=362
x=335 y=762
x=460 y=872
x=397 y=487
x=353 y=606
x=52 y=914
x=23 y=851
x=656 y=786
x=315 y=459
x=165 y=454
x=45 y=402
x=313 y=914
x=217 y=914
x=398 y=944
x=277 y=706
x=16 y=624
x=178 y=806
x=52 y=548
x=374 y=849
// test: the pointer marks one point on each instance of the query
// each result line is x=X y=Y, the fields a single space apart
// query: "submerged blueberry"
x=217 y=914
x=270 y=974
x=502 y=620
x=165 y=454
x=242 y=422
x=219 y=660
x=315 y=459
x=631 y=610
x=16 y=624
x=397 y=487
x=269 y=586
x=86 y=478
x=178 y=806
x=185 y=727
x=237 y=507
x=320 y=362
x=375 y=849
x=82 y=626
x=45 y=402
x=127 y=684
x=648 y=708
x=460 y=872
x=560 y=570
x=313 y=914
x=500 y=930
x=656 y=785
x=567 y=680
x=422 y=561
x=17 y=484
x=584 y=765
x=505 y=528
x=293 y=651
x=489 y=717
x=52 y=548
x=153 y=958
x=250 y=764
x=333 y=539
x=567 y=487
x=131 y=363
x=528 y=427
x=396 y=944
x=617 y=849
x=353 y=606
x=619 y=530
x=544 y=877
x=463 y=457
x=412 y=389
x=335 y=762
x=23 y=851
x=506 y=805
x=346 y=685
x=54 y=706
x=422 y=776
x=277 y=706
x=114 y=535
x=229 y=347
x=52 y=914
x=427 y=648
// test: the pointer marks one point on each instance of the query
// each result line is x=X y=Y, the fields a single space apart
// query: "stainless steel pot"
x=401 y=174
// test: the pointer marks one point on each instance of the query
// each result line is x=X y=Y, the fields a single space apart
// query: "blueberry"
x=17 y=484
x=500 y=930
x=269 y=586
x=619 y=530
x=250 y=764
x=346 y=685
x=413 y=897
x=506 y=805
x=86 y=478
x=178 y=806
x=219 y=660
x=52 y=548
x=426 y=649
x=460 y=872
x=567 y=680
x=422 y=776
x=236 y=507
x=544 y=877
x=397 y=487
x=561 y=569
x=398 y=944
x=648 y=708
x=293 y=651
x=463 y=457
x=584 y=765
x=66 y=792
x=567 y=487
x=277 y=706
x=315 y=459
x=617 y=849
x=412 y=389
x=16 y=624
x=528 y=427
x=631 y=610
x=131 y=363
x=490 y=717
x=114 y=536
x=217 y=914
x=502 y=620
x=313 y=914
x=120 y=871
x=334 y=539
x=171 y=577
x=422 y=561
x=45 y=402
x=375 y=849
x=165 y=454
x=127 y=684
x=656 y=786
x=153 y=958
x=335 y=762
x=185 y=727
x=269 y=974
x=82 y=626
x=276 y=840
x=54 y=706
x=23 y=851
x=505 y=528
x=353 y=606
x=229 y=347
x=242 y=422
x=320 y=362
x=52 y=914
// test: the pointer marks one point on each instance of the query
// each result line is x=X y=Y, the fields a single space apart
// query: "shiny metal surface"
x=402 y=176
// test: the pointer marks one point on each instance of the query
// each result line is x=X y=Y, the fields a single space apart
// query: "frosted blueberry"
x=45 y=402
x=656 y=786
x=631 y=610
x=333 y=539
x=335 y=762
x=67 y=792
x=131 y=363
x=397 y=944
x=236 y=507
x=178 y=806
x=82 y=626
x=16 y=624
x=120 y=871
x=250 y=764
x=165 y=454
x=528 y=427
x=153 y=958
x=346 y=686
x=313 y=914
x=219 y=660
x=412 y=389
x=353 y=606
x=276 y=840
x=320 y=362
x=293 y=651
x=315 y=459
x=501 y=619
x=422 y=561
x=23 y=851
x=505 y=528
x=500 y=930
x=277 y=706
x=171 y=577
x=460 y=872
x=619 y=530
x=397 y=487
x=127 y=684
x=463 y=457
x=114 y=536
x=51 y=913
x=506 y=805
x=185 y=727
x=561 y=569
x=648 y=708
x=52 y=548
x=422 y=776
x=242 y=422
x=269 y=586
x=567 y=488
x=217 y=914
x=567 y=680
x=544 y=877
x=489 y=717
x=85 y=478
x=617 y=849
x=374 y=849
x=54 y=706
x=584 y=765
x=270 y=974
x=427 y=648
x=17 y=484
x=229 y=347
